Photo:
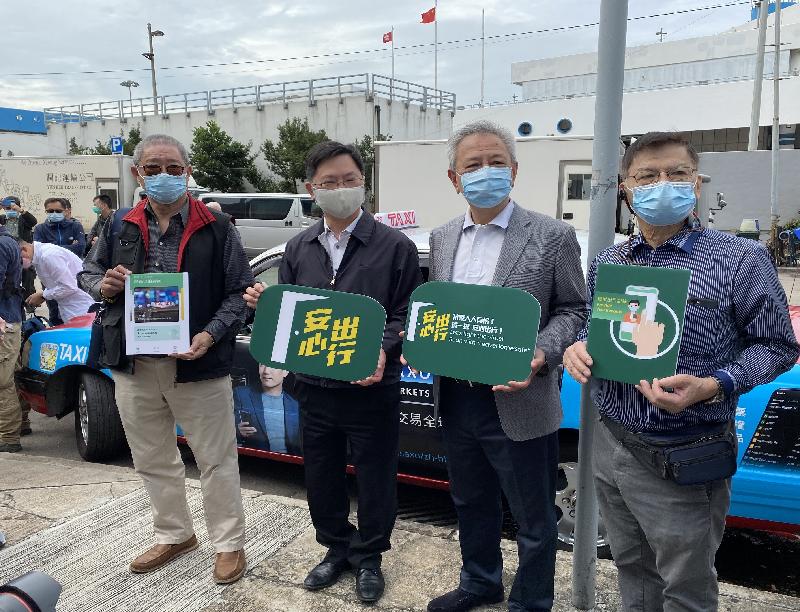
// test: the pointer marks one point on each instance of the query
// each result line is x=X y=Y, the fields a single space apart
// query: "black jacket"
x=379 y=262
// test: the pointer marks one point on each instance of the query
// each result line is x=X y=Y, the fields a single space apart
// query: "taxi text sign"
x=472 y=332
x=637 y=322
x=318 y=332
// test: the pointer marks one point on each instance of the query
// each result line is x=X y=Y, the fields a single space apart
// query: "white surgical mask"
x=340 y=203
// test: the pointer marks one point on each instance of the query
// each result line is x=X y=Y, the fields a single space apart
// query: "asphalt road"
x=751 y=559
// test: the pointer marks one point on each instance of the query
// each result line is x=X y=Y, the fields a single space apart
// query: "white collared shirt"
x=479 y=248
x=334 y=247
x=58 y=269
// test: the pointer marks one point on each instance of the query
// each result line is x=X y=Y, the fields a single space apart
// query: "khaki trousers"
x=10 y=412
x=150 y=403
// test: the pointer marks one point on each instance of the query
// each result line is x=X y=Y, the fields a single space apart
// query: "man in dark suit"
x=505 y=438
x=268 y=417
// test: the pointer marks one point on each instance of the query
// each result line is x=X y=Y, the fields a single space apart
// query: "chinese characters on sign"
x=472 y=332
x=318 y=332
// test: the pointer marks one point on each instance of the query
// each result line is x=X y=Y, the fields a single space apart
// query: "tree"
x=366 y=146
x=286 y=159
x=221 y=163
x=75 y=149
x=133 y=139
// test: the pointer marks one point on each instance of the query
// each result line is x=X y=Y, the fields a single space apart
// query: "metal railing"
x=311 y=90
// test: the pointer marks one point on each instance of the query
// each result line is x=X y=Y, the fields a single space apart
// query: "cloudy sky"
x=49 y=37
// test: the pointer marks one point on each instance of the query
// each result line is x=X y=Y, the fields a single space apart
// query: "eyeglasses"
x=648 y=176
x=155 y=169
x=351 y=181
x=49 y=212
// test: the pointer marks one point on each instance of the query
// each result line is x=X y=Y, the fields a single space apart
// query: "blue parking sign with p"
x=116 y=145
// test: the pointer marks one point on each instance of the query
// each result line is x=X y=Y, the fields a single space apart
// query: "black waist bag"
x=96 y=339
x=696 y=455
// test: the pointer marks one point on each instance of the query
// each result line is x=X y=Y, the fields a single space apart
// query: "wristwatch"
x=719 y=396
x=106 y=299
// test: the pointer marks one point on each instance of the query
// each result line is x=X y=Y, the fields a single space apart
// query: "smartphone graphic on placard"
x=642 y=305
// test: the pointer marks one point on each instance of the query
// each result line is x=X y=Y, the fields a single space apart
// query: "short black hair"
x=66 y=203
x=51 y=200
x=634 y=300
x=323 y=151
x=656 y=140
x=105 y=199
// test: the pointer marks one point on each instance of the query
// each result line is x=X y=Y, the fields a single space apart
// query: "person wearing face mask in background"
x=349 y=251
x=736 y=335
x=173 y=232
x=102 y=207
x=504 y=439
x=64 y=232
x=20 y=224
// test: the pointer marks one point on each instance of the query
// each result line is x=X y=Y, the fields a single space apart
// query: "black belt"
x=466 y=383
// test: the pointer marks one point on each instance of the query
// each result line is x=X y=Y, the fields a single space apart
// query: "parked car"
x=265 y=220
x=766 y=488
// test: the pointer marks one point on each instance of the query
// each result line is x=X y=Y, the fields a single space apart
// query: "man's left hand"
x=377 y=376
x=686 y=390
x=200 y=345
x=35 y=299
x=516 y=385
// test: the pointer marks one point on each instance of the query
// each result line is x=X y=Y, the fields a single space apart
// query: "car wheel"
x=98 y=429
x=566 y=502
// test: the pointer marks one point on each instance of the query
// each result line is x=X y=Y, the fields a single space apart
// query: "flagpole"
x=436 y=47
x=392 y=55
x=483 y=51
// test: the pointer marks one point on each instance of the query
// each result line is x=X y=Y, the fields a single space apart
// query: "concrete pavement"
x=52 y=512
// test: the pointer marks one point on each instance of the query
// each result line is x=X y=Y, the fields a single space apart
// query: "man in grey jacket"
x=505 y=438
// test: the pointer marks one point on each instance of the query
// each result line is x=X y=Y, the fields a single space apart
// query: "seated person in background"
x=268 y=418
x=58 y=270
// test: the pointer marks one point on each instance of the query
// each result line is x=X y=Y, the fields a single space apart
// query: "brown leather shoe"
x=229 y=567
x=161 y=554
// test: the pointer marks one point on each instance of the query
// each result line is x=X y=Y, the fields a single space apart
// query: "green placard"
x=318 y=332
x=637 y=322
x=472 y=332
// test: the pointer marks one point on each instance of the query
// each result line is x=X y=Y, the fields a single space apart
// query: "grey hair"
x=482 y=126
x=159 y=139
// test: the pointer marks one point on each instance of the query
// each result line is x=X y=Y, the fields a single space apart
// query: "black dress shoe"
x=324 y=575
x=369 y=584
x=25 y=431
x=461 y=601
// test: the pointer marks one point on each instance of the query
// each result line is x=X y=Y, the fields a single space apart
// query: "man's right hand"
x=578 y=362
x=245 y=430
x=252 y=294
x=113 y=282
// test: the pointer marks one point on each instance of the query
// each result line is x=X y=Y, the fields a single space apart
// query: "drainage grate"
x=89 y=555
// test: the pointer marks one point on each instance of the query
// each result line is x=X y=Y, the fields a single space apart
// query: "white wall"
x=348 y=121
x=413 y=175
x=704 y=107
x=28 y=144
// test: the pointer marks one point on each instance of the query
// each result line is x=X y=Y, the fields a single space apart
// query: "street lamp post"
x=152 y=57
x=130 y=84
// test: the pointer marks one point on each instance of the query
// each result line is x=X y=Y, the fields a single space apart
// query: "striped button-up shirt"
x=736 y=327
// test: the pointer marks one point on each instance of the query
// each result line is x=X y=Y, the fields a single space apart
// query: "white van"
x=265 y=220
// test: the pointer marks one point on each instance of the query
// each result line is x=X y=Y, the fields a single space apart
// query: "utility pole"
x=483 y=53
x=152 y=57
x=755 y=114
x=602 y=207
x=776 y=128
x=130 y=84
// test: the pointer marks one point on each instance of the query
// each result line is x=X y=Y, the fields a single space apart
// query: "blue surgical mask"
x=11 y=214
x=55 y=217
x=165 y=188
x=487 y=187
x=664 y=203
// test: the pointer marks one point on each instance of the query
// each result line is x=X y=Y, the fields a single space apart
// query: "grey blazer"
x=541 y=256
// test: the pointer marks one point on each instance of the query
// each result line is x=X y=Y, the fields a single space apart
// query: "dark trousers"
x=368 y=419
x=54 y=316
x=483 y=462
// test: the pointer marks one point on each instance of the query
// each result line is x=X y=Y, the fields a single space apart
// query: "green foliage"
x=792 y=224
x=129 y=144
x=75 y=149
x=133 y=139
x=100 y=149
x=366 y=146
x=221 y=163
x=286 y=159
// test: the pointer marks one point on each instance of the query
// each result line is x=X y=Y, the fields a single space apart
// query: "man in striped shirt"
x=737 y=335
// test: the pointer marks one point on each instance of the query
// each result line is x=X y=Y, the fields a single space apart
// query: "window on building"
x=579 y=186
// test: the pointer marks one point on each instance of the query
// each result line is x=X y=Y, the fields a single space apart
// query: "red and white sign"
x=399 y=219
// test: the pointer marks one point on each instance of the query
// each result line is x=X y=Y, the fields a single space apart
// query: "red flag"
x=387 y=37
x=429 y=16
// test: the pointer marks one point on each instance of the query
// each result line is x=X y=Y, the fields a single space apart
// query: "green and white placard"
x=472 y=332
x=637 y=322
x=325 y=333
